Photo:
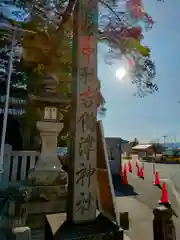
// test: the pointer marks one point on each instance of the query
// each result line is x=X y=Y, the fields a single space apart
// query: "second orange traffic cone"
x=141 y=173
x=120 y=172
x=156 y=180
x=130 y=166
x=137 y=163
x=124 y=178
x=164 y=195
x=138 y=171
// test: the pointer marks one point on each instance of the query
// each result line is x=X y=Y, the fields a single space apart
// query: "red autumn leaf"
x=135 y=8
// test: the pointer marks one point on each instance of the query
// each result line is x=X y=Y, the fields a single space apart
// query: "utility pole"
x=15 y=30
x=8 y=84
x=164 y=137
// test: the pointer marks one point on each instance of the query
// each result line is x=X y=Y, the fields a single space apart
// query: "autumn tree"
x=52 y=22
x=50 y=49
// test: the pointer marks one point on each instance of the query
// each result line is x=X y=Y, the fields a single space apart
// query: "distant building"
x=127 y=148
x=16 y=109
x=117 y=146
x=113 y=147
x=143 y=150
x=16 y=106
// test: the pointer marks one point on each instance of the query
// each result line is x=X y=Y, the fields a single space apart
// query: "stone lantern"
x=50 y=105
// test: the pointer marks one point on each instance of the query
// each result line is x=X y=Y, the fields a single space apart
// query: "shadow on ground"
x=122 y=189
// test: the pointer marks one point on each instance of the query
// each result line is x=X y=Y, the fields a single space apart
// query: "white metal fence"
x=16 y=165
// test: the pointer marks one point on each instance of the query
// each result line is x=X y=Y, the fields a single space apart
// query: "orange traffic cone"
x=125 y=180
x=130 y=166
x=138 y=171
x=125 y=169
x=137 y=163
x=120 y=172
x=141 y=173
x=156 y=180
x=164 y=196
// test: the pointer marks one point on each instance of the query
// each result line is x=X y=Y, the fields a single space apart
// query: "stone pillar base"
x=48 y=169
x=101 y=228
x=21 y=233
x=163 y=226
x=47 y=193
x=45 y=177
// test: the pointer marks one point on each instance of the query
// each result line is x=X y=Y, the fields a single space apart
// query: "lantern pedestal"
x=48 y=170
x=48 y=181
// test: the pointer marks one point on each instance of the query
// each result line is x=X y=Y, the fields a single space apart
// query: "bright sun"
x=121 y=73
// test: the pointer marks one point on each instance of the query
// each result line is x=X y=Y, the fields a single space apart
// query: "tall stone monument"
x=82 y=175
x=82 y=221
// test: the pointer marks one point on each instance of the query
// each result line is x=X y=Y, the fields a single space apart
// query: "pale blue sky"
x=159 y=114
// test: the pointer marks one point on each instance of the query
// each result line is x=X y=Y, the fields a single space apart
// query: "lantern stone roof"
x=51 y=98
x=142 y=146
x=48 y=92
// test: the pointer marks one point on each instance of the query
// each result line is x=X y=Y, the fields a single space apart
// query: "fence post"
x=163 y=226
x=4 y=178
x=154 y=169
x=117 y=158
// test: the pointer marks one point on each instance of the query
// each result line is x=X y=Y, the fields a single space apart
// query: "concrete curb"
x=175 y=192
x=126 y=237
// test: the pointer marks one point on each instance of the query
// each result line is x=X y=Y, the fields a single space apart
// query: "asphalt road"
x=169 y=172
x=140 y=197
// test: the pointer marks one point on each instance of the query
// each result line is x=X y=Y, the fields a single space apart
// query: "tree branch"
x=67 y=13
x=110 y=8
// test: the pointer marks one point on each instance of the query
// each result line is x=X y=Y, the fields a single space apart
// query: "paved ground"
x=140 y=197
x=169 y=172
